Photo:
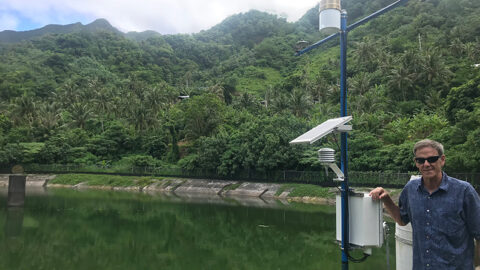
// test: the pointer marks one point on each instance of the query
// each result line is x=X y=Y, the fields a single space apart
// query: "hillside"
x=93 y=95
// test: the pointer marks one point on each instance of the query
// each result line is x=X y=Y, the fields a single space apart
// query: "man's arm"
x=472 y=218
x=381 y=194
x=477 y=254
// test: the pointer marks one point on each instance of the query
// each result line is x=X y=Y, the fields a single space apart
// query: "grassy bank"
x=305 y=190
x=104 y=180
x=296 y=190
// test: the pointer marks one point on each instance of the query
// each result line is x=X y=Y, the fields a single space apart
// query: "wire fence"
x=322 y=178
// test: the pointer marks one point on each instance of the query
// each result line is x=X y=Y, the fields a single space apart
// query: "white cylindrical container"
x=329 y=20
x=403 y=247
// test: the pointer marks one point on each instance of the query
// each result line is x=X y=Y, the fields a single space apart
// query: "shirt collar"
x=445 y=182
x=443 y=185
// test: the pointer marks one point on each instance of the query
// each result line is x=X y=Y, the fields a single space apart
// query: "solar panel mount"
x=322 y=130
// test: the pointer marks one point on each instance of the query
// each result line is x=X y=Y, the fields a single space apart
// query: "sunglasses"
x=432 y=159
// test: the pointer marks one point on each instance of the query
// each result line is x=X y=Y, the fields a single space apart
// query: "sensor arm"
x=353 y=26
x=337 y=171
x=376 y=14
x=316 y=44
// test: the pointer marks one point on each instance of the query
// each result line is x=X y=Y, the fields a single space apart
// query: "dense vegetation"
x=97 y=97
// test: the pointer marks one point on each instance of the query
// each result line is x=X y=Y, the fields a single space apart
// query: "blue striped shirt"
x=444 y=223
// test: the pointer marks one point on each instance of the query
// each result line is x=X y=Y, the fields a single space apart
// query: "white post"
x=403 y=247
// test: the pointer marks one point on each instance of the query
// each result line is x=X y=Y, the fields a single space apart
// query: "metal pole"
x=344 y=164
x=343 y=112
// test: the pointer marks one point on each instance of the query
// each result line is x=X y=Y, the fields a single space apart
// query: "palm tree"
x=411 y=61
x=325 y=111
x=218 y=90
x=103 y=104
x=333 y=92
x=188 y=78
x=372 y=101
x=300 y=102
x=80 y=114
x=247 y=101
x=24 y=110
x=433 y=100
x=280 y=102
x=48 y=117
x=387 y=62
x=68 y=94
x=141 y=117
x=433 y=67
x=472 y=50
x=366 y=54
x=400 y=81
x=360 y=83
x=317 y=89
x=457 y=47
x=155 y=98
x=4 y=106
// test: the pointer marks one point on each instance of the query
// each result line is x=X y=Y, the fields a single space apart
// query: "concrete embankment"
x=33 y=180
x=187 y=188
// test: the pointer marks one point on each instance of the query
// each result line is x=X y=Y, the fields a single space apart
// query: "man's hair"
x=428 y=143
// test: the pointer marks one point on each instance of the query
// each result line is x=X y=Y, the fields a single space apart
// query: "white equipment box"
x=365 y=220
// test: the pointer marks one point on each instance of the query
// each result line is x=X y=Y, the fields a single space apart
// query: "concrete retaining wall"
x=33 y=180
x=203 y=186
x=181 y=187
x=254 y=190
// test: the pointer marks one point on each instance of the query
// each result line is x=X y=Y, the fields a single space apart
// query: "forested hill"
x=104 y=97
x=9 y=36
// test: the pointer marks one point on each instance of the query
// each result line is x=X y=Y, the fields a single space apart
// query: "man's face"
x=429 y=170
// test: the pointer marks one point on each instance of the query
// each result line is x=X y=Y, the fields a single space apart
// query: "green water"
x=68 y=229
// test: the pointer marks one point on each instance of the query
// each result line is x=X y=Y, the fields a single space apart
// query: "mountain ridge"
x=11 y=36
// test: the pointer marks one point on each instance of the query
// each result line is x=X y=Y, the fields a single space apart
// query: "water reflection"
x=70 y=229
x=13 y=222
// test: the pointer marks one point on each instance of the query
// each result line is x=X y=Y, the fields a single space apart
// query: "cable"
x=336 y=142
x=386 y=231
x=352 y=259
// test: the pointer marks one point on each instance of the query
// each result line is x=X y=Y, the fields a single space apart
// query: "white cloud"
x=8 y=21
x=164 y=16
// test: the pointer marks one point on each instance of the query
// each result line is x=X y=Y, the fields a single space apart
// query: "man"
x=444 y=212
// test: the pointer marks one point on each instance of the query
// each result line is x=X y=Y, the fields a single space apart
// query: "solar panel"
x=322 y=130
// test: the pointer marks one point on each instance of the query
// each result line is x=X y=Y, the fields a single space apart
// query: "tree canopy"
x=100 y=96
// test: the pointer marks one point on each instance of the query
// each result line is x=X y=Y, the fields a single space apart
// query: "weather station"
x=359 y=222
x=359 y=218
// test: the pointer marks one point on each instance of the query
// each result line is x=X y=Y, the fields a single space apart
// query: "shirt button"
x=428 y=265
x=428 y=210
x=428 y=223
x=428 y=237
x=428 y=251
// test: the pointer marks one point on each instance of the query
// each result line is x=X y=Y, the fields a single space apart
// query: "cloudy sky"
x=163 y=16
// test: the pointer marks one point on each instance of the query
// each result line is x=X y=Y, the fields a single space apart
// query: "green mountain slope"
x=96 y=95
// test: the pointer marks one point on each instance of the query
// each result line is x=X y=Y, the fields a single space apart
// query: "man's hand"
x=379 y=193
